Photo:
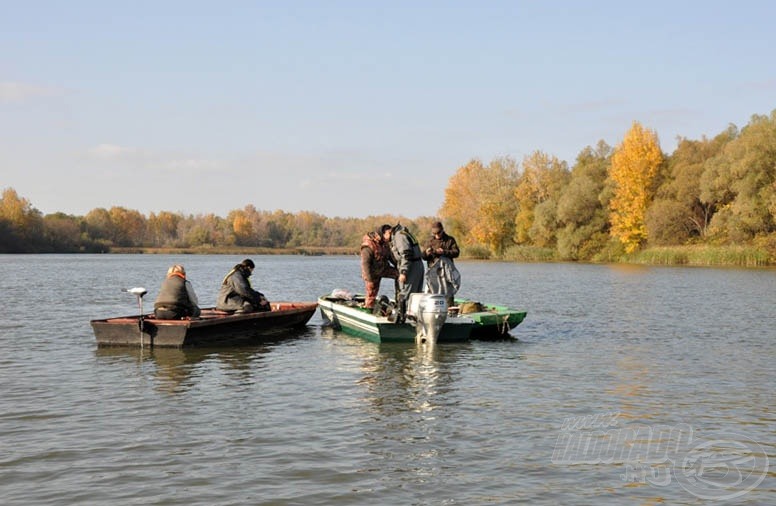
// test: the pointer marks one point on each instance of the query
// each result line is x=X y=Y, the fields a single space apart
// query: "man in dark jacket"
x=176 y=296
x=406 y=255
x=439 y=251
x=376 y=262
x=236 y=293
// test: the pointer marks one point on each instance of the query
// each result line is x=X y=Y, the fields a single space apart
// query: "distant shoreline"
x=305 y=251
x=691 y=256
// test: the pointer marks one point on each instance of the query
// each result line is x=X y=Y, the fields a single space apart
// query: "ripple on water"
x=325 y=418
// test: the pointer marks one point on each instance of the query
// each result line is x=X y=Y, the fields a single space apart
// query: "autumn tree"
x=245 y=224
x=635 y=165
x=162 y=228
x=479 y=205
x=21 y=225
x=207 y=230
x=538 y=189
x=128 y=226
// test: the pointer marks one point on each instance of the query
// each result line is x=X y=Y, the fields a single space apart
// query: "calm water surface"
x=607 y=354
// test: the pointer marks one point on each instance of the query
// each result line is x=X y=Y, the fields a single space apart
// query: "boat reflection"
x=176 y=370
x=404 y=377
x=411 y=406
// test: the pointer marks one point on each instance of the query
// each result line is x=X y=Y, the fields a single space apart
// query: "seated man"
x=236 y=294
x=176 y=296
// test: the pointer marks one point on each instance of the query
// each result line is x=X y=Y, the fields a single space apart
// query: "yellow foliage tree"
x=20 y=216
x=635 y=165
x=242 y=226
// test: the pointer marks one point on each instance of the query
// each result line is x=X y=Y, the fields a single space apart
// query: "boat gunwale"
x=213 y=316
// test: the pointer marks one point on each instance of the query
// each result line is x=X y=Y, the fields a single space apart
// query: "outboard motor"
x=430 y=313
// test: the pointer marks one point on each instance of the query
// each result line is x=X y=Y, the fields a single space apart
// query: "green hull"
x=495 y=321
x=362 y=323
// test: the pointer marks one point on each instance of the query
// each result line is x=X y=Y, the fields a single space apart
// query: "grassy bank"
x=703 y=255
x=695 y=255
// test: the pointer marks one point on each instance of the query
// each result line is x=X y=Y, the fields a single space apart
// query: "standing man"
x=407 y=257
x=439 y=251
x=376 y=262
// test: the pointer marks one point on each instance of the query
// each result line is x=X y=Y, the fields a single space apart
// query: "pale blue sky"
x=350 y=108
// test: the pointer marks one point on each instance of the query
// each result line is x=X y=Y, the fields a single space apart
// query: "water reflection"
x=632 y=380
x=402 y=376
x=412 y=406
x=175 y=370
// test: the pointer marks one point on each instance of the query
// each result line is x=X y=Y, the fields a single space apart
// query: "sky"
x=351 y=108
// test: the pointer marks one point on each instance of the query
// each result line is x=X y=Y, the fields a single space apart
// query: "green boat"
x=492 y=321
x=424 y=324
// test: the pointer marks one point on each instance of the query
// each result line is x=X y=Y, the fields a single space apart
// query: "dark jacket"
x=236 y=290
x=446 y=242
x=174 y=296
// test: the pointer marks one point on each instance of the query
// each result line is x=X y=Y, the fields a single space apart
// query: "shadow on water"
x=178 y=369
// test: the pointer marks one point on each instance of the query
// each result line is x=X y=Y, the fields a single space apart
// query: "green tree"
x=583 y=206
x=678 y=213
x=63 y=233
x=741 y=183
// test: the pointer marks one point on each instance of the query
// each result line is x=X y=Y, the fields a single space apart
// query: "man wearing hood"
x=236 y=293
x=406 y=255
x=376 y=262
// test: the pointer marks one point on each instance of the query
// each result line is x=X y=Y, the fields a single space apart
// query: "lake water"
x=624 y=385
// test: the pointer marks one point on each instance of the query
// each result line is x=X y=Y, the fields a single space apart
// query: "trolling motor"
x=139 y=292
x=430 y=313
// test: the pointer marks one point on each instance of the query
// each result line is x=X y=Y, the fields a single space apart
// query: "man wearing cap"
x=376 y=262
x=439 y=251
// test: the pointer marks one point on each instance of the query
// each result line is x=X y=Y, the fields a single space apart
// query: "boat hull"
x=494 y=321
x=213 y=328
x=358 y=322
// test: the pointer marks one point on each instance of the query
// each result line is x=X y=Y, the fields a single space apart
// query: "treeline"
x=617 y=203
x=614 y=203
x=24 y=229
